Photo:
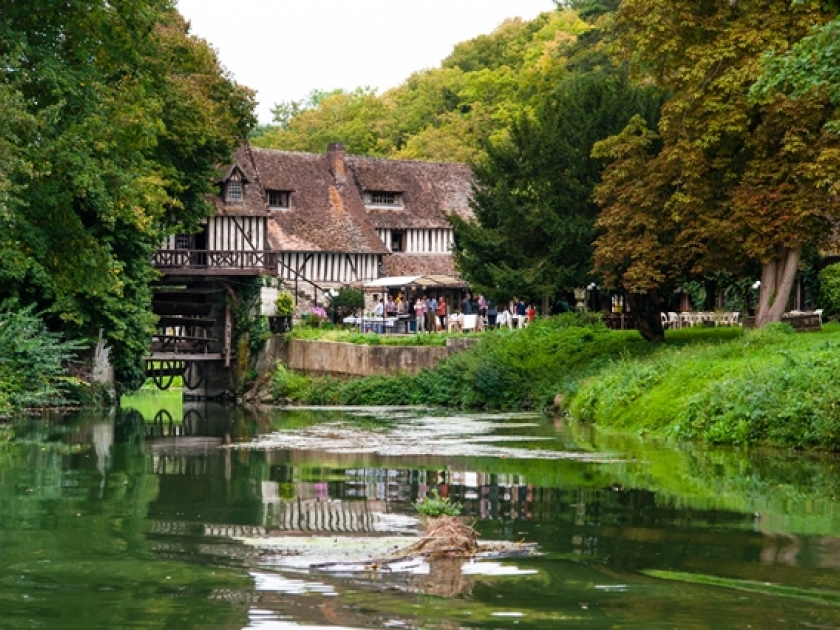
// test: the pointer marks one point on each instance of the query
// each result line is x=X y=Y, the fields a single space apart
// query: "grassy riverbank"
x=723 y=385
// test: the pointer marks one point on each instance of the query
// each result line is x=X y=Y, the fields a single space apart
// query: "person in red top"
x=441 y=312
x=530 y=313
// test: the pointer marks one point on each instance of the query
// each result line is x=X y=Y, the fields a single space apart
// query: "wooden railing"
x=215 y=260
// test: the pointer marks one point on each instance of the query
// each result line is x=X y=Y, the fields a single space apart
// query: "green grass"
x=766 y=386
x=368 y=339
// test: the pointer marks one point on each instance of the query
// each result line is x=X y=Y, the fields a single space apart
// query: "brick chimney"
x=335 y=156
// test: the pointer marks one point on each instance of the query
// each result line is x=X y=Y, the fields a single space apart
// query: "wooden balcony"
x=192 y=262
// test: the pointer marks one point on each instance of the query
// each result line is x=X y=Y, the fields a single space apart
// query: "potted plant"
x=282 y=321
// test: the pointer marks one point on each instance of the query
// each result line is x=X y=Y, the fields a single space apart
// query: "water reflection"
x=134 y=520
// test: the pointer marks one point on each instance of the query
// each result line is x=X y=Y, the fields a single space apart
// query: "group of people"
x=431 y=312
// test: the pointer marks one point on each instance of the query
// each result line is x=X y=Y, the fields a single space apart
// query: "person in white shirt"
x=420 y=314
x=379 y=310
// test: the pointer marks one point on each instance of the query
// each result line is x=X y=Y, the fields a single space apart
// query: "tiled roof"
x=253 y=203
x=327 y=211
x=419 y=264
x=430 y=190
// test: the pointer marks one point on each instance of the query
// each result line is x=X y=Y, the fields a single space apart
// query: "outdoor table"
x=372 y=324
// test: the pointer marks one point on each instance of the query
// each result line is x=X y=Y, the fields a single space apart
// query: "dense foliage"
x=114 y=118
x=441 y=114
x=32 y=360
x=534 y=213
x=725 y=179
x=830 y=290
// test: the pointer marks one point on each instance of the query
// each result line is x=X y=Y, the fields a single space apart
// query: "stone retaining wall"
x=349 y=359
x=806 y=322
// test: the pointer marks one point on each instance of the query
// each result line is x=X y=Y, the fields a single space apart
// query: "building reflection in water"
x=223 y=492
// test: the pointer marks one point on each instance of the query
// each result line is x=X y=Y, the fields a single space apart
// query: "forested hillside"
x=448 y=113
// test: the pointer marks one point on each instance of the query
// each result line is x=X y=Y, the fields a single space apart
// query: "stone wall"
x=348 y=359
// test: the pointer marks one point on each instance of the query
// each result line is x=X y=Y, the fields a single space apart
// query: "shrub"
x=288 y=384
x=285 y=303
x=830 y=289
x=31 y=360
x=346 y=302
x=435 y=505
x=314 y=317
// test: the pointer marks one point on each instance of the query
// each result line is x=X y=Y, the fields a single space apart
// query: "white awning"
x=430 y=280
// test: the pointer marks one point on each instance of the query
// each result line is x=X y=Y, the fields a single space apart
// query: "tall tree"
x=117 y=118
x=534 y=212
x=733 y=181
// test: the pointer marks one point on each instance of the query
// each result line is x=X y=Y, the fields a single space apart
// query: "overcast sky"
x=284 y=49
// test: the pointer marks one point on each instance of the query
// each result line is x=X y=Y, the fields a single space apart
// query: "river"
x=158 y=516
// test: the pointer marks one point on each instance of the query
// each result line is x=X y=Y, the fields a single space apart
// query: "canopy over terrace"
x=426 y=281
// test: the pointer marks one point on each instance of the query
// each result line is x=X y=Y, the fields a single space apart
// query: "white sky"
x=284 y=49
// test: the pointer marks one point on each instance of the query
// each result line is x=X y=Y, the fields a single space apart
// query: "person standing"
x=465 y=305
x=482 y=305
x=441 y=312
x=431 y=315
x=492 y=313
x=420 y=314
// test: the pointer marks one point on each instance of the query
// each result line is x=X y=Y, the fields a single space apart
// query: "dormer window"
x=234 y=192
x=279 y=199
x=384 y=198
x=233 y=185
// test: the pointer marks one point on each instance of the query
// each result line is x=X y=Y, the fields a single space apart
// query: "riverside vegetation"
x=722 y=385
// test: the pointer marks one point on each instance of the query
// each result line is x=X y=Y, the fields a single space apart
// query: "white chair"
x=504 y=319
x=819 y=312
x=469 y=323
x=673 y=320
x=664 y=319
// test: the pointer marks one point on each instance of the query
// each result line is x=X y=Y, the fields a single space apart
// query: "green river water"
x=153 y=517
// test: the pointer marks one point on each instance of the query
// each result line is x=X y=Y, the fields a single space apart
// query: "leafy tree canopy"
x=811 y=65
x=113 y=119
x=441 y=114
x=533 y=196
x=723 y=180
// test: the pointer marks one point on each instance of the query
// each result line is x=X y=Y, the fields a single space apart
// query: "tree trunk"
x=777 y=276
x=644 y=308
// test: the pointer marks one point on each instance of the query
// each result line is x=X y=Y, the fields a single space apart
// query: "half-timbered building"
x=336 y=219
